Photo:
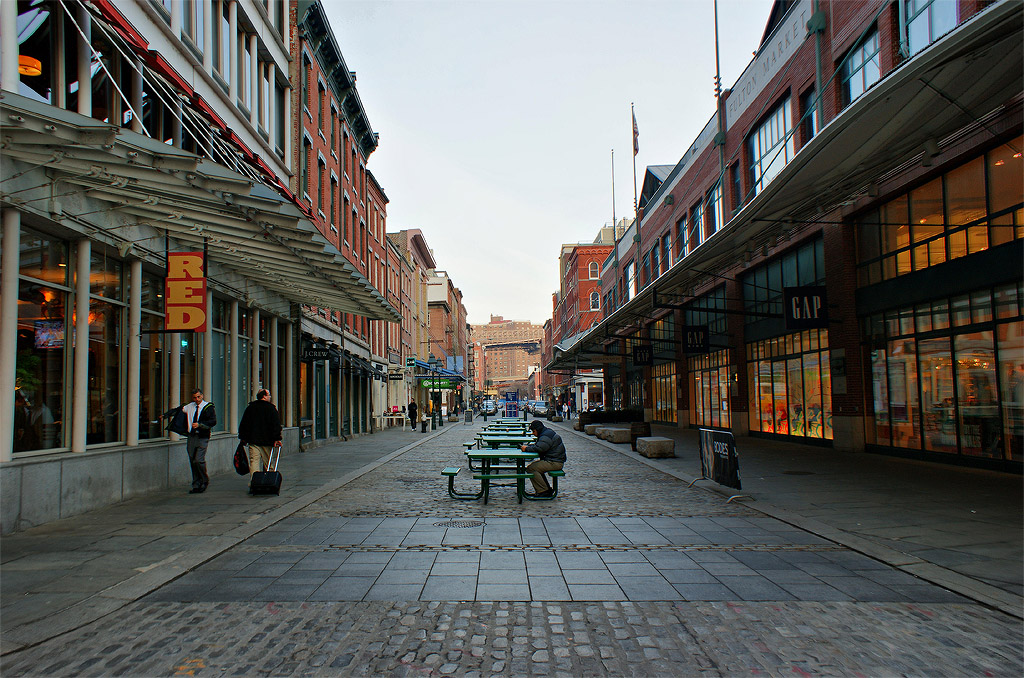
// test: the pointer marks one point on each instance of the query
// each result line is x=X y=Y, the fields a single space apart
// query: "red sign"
x=185 y=293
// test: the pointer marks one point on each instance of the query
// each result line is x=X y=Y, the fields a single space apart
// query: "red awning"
x=156 y=62
x=121 y=25
x=198 y=102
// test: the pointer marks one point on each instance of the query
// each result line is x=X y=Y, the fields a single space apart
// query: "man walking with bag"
x=260 y=429
x=200 y=417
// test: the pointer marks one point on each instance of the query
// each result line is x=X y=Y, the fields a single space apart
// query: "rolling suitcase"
x=268 y=481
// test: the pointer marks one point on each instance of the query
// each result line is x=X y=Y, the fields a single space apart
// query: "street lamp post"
x=435 y=415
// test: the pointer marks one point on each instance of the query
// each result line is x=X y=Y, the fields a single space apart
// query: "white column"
x=208 y=349
x=254 y=371
x=349 y=390
x=8 y=318
x=287 y=113
x=84 y=61
x=289 y=373
x=208 y=34
x=134 y=350
x=232 y=48
x=176 y=128
x=254 y=80
x=232 y=408
x=80 y=379
x=272 y=111
x=173 y=374
x=9 y=78
x=176 y=21
x=273 y=366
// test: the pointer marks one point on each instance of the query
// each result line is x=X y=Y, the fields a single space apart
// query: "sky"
x=498 y=118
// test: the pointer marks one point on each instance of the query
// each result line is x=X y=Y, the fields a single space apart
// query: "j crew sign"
x=806 y=308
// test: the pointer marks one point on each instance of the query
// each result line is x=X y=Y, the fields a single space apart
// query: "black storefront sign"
x=696 y=338
x=805 y=308
x=313 y=354
x=718 y=459
x=643 y=354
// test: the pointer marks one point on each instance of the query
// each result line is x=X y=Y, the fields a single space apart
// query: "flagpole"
x=635 y=151
x=615 y=240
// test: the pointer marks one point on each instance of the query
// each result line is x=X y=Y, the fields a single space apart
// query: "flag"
x=636 y=136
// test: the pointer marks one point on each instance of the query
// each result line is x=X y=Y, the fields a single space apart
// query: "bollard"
x=423 y=426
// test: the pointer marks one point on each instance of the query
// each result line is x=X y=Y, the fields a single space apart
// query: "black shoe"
x=546 y=493
x=195 y=490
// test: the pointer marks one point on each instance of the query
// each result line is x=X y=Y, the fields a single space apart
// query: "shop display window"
x=955 y=388
x=39 y=368
x=790 y=386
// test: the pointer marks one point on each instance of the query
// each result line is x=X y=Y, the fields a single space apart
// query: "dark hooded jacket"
x=549 y=446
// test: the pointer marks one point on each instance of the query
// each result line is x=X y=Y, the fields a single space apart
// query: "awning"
x=439 y=371
x=247 y=227
x=972 y=72
x=365 y=367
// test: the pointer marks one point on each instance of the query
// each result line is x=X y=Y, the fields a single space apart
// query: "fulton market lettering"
x=806 y=308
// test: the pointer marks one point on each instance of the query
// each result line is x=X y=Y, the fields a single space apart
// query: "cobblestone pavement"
x=627 y=572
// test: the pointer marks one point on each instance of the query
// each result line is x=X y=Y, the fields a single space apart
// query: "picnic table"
x=487 y=473
x=395 y=419
x=496 y=440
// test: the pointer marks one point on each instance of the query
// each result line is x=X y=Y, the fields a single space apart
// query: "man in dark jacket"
x=550 y=456
x=200 y=417
x=260 y=429
x=412 y=414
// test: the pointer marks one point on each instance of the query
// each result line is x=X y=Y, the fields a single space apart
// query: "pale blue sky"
x=497 y=119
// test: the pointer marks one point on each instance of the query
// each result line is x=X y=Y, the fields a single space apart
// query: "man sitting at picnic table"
x=550 y=456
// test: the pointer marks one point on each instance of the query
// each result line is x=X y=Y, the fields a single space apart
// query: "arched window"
x=595 y=301
x=595 y=271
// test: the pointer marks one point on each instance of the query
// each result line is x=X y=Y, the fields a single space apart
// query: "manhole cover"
x=798 y=473
x=459 y=523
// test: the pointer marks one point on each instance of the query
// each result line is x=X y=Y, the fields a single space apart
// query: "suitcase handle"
x=273 y=461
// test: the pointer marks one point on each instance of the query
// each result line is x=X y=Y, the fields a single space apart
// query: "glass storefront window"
x=976 y=393
x=189 y=367
x=968 y=209
x=152 y=385
x=43 y=258
x=39 y=368
x=789 y=383
x=105 y=276
x=664 y=391
x=1010 y=338
x=970 y=389
x=937 y=410
x=219 y=397
x=105 y=378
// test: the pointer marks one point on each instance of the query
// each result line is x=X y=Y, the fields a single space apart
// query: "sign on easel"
x=718 y=459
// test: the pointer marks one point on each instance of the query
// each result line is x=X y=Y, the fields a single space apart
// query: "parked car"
x=489 y=407
x=539 y=408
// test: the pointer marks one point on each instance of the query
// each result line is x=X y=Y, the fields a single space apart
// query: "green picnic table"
x=496 y=440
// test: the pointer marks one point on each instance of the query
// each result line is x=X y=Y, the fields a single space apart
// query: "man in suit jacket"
x=260 y=429
x=201 y=417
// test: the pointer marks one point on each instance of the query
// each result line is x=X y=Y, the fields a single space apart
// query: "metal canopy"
x=952 y=85
x=247 y=228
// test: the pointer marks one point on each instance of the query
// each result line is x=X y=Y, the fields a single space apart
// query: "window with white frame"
x=860 y=68
x=927 y=21
x=771 y=147
x=716 y=215
x=666 y=251
x=595 y=301
x=222 y=43
x=630 y=275
x=594 y=270
x=193 y=21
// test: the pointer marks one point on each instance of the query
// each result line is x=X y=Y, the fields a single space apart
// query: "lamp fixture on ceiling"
x=29 y=65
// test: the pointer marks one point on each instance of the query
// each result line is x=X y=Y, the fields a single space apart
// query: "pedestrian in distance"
x=260 y=429
x=412 y=414
x=550 y=456
x=201 y=417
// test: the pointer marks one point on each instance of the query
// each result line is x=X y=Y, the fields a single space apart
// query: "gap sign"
x=805 y=308
x=185 y=293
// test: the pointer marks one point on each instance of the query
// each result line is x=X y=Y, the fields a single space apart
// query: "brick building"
x=837 y=257
x=508 y=350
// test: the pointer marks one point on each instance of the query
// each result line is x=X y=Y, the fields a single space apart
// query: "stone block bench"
x=591 y=429
x=655 y=447
x=613 y=434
